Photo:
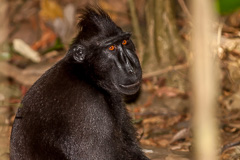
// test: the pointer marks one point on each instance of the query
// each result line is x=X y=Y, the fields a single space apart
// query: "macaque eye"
x=124 y=42
x=111 y=48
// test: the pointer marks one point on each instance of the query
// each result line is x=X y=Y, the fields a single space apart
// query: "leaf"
x=25 y=50
x=47 y=37
x=168 y=91
x=50 y=10
x=5 y=56
x=227 y=6
x=182 y=134
x=234 y=125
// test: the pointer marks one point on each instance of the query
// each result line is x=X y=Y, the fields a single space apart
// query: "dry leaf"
x=173 y=120
x=50 y=10
x=163 y=142
x=153 y=120
x=168 y=91
x=175 y=157
x=233 y=101
x=25 y=50
x=184 y=147
x=234 y=125
x=64 y=27
x=180 y=135
x=231 y=153
x=48 y=36
x=148 y=142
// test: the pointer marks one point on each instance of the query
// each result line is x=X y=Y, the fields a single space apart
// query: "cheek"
x=102 y=67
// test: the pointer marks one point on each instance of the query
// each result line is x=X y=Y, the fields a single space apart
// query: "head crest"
x=95 y=23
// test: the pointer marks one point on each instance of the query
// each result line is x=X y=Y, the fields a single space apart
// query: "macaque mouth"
x=128 y=86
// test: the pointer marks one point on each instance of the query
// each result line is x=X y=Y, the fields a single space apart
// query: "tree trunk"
x=164 y=47
x=205 y=82
x=4 y=21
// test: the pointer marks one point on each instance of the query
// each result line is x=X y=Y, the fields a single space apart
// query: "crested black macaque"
x=75 y=110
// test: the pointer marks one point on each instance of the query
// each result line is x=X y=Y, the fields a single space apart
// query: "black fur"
x=75 y=110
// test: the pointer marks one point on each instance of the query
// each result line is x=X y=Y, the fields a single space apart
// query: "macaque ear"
x=78 y=52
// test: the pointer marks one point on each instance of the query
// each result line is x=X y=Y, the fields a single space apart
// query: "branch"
x=184 y=8
x=165 y=70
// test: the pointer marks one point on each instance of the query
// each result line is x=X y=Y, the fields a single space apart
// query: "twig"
x=165 y=70
x=232 y=144
x=219 y=34
x=184 y=8
x=174 y=38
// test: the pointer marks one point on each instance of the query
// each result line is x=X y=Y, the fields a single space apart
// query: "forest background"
x=35 y=34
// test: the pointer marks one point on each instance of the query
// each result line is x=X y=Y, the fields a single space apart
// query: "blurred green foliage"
x=227 y=6
x=57 y=46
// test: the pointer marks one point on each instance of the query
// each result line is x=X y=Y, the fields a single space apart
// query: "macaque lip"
x=130 y=85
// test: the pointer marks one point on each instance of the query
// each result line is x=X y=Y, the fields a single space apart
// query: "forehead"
x=114 y=39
